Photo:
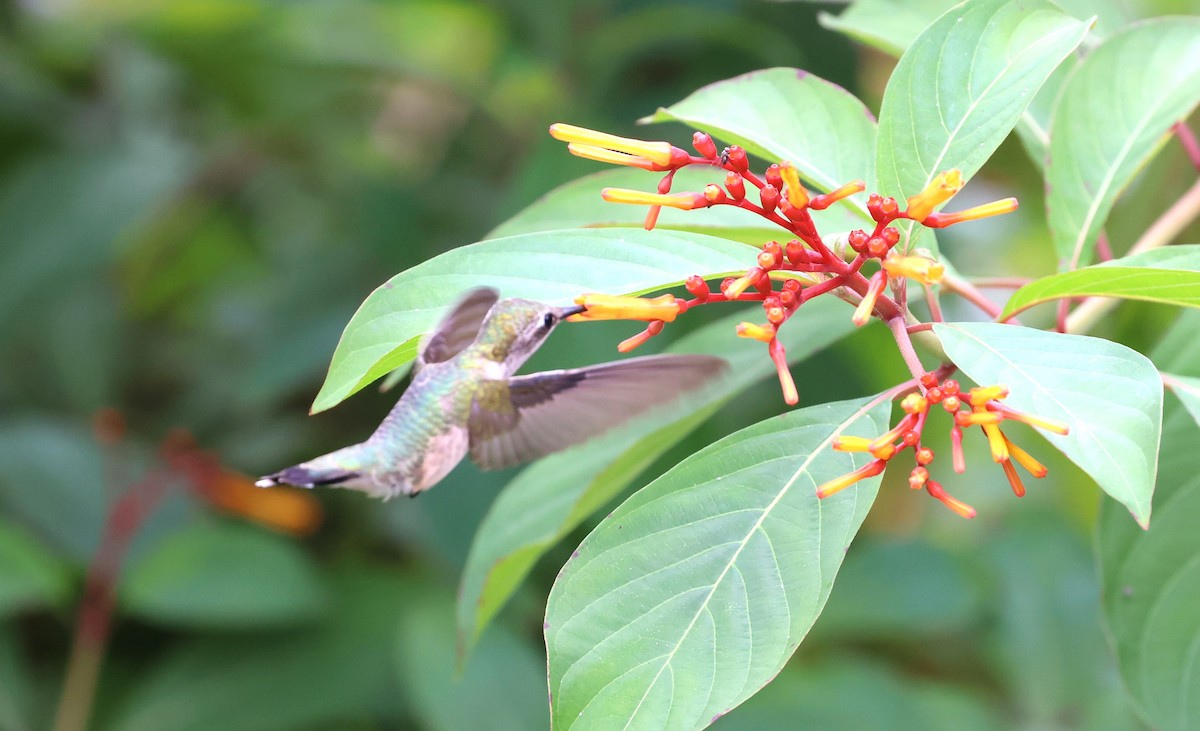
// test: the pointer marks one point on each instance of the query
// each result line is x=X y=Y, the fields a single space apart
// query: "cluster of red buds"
x=786 y=275
x=980 y=406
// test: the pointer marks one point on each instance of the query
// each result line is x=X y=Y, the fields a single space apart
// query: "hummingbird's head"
x=516 y=328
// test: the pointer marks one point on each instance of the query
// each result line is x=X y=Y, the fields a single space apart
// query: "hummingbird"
x=465 y=397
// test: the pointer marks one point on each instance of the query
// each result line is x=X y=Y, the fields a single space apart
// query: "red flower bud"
x=795 y=251
x=714 y=193
x=769 y=195
x=773 y=177
x=734 y=158
x=704 y=145
x=876 y=247
x=736 y=186
x=858 y=240
x=924 y=456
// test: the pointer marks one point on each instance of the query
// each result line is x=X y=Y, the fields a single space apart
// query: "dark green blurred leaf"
x=1107 y=394
x=224 y=575
x=1170 y=275
x=503 y=688
x=310 y=678
x=1089 y=165
x=65 y=213
x=891 y=591
x=551 y=266
x=1150 y=578
x=1047 y=641
x=848 y=694
x=53 y=481
x=550 y=499
x=15 y=685
x=693 y=593
x=788 y=114
x=888 y=25
x=30 y=576
x=960 y=88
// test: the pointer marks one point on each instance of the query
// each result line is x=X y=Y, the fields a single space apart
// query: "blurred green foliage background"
x=194 y=197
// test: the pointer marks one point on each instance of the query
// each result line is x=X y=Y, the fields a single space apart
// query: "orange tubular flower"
x=796 y=194
x=282 y=509
x=1025 y=459
x=1050 y=425
x=1014 y=479
x=684 y=201
x=851 y=444
x=941 y=189
x=980 y=395
x=600 y=154
x=995 y=208
x=821 y=202
x=996 y=442
x=870 y=469
x=935 y=490
x=657 y=152
x=862 y=313
x=616 y=307
x=765 y=333
x=921 y=268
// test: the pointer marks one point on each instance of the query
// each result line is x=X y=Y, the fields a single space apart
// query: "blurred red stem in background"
x=94 y=622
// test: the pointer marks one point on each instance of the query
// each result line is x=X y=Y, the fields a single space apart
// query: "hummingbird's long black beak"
x=568 y=311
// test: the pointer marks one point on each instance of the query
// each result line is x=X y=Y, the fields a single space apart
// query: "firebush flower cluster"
x=801 y=266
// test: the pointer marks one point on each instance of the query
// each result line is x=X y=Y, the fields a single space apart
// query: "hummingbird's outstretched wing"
x=556 y=409
x=458 y=328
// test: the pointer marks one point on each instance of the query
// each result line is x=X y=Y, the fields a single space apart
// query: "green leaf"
x=692 y=594
x=1150 y=578
x=1188 y=391
x=30 y=576
x=1139 y=82
x=578 y=205
x=52 y=481
x=551 y=498
x=1108 y=395
x=17 y=691
x=551 y=266
x=886 y=25
x=788 y=114
x=503 y=688
x=889 y=589
x=845 y=693
x=271 y=682
x=224 y=574
x=1168 y=276
x=960 y=88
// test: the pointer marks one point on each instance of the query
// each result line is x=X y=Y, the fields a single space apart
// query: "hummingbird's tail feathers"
x=301 y=476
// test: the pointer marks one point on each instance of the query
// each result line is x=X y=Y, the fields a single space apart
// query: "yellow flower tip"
x=796 y=194
x=600 y=154
x=821 y=202
x=1014 y=479
x=684 y=201
x=980 y=395
x=921 y=268
x=941 y=189
x=995 y=208
x=739 y=286
x=914 y=403
x=883 y=451
x=1025 y=459
x=936 y=491
x=851 y=444
x=996 y=442
x=837 y=484
x=656 y=151
x=1050 y=425
x=617 y=307
x=862 y=313
x=765 y=333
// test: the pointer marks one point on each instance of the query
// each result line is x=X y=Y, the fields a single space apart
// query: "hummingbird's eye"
x=548 y=320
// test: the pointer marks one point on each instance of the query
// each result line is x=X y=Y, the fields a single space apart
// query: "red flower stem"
x=967 y=291
x=1103 y=250
x=920 y=327
x=1060 y=320
x=94 y=623
x=1188 y=140
x=904 y=343
x=934 y=304
x=1001 y=282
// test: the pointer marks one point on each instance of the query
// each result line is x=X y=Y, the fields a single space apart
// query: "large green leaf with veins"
x=693 y=593
x=961 y=87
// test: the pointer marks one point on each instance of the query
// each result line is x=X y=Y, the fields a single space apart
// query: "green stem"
x=1160 y=233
